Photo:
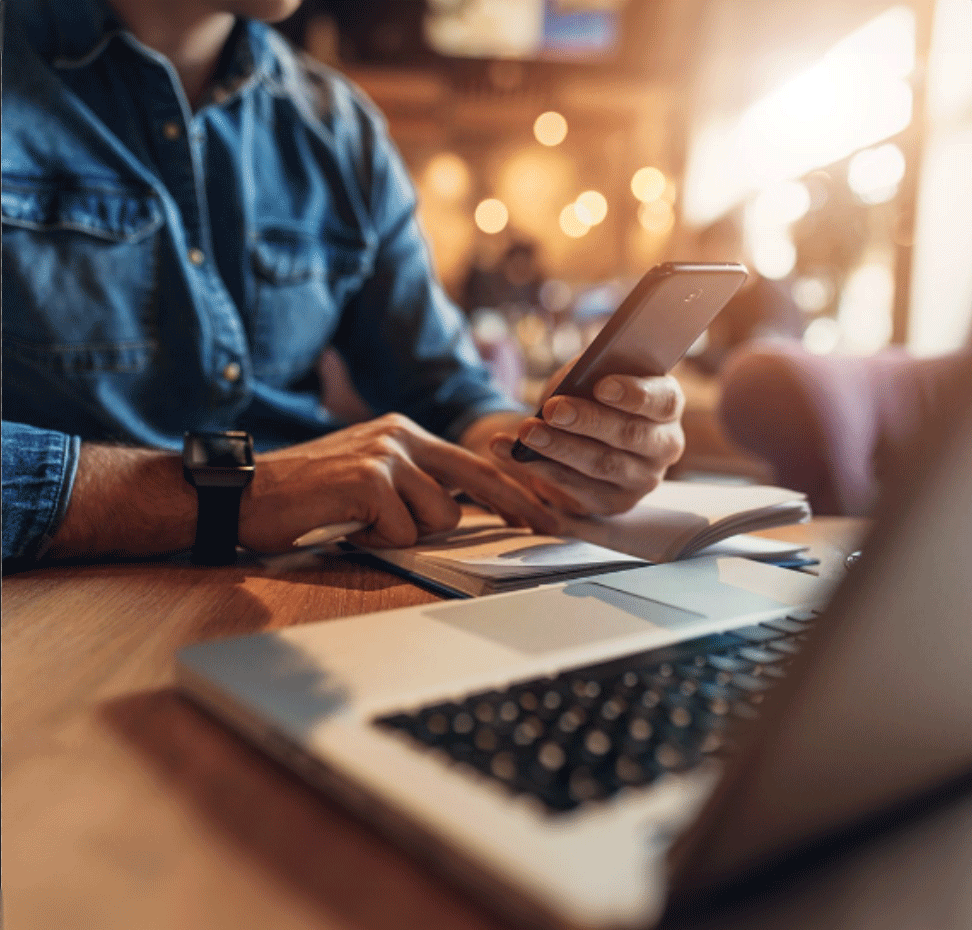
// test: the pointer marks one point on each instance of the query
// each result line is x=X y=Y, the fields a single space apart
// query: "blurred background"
x=562 y=147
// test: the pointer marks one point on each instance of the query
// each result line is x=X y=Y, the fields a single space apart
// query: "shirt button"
x=232 y=372
x=171 y=130
x=196 y=256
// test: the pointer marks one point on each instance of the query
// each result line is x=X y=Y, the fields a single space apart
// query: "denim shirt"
x=165 y=270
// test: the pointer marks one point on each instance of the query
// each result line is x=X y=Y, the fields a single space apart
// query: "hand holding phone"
x=666 y=311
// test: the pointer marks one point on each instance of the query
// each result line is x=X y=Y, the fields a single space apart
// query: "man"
x=191 y=216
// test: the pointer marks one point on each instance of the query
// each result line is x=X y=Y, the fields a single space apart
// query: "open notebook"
x=677 y=520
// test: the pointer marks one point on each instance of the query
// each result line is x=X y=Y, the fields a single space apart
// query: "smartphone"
x=666 y=311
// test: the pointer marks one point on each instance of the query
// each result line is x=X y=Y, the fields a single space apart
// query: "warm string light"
x=448 y=177
x=492 y=216
x=591 y=207
x=648 y=184
x=656 y=217
x=571 y=223
x=550 y=128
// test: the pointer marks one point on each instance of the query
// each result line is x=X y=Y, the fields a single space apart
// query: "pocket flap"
x=114 y=214
x=287 y=259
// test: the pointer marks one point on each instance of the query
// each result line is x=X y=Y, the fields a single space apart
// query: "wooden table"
x=126 y=807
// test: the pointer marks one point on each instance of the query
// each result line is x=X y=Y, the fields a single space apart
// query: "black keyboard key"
x=749 y=683
x=805 y=615
x=630 y=771
x=785 y=625
x=758 y=655
x=757 y=634
x=788 y=646
x=587 y=733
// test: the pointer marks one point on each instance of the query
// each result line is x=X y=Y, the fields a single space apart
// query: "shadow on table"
x=301 y=567
x=344 y=868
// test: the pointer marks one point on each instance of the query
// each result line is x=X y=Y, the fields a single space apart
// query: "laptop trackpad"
x=581 y=614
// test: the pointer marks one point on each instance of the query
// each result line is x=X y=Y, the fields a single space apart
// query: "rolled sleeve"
x=39 y=467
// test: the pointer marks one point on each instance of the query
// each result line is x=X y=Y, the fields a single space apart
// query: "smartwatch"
x=219 y=466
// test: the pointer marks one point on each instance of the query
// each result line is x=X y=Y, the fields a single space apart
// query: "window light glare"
x=874 y=174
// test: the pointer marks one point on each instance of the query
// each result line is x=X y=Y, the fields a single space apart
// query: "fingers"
x=404 y=504
x=659 y=399
x=456 y=467
x=588 y=456
x=390 y=474
x=586 y=489
x=432 y=507
x=393 y=525
x=650 y=438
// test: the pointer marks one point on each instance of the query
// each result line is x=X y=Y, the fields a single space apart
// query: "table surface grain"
x=125 y=806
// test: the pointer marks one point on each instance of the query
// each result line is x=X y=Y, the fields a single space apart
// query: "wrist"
x=126 y=502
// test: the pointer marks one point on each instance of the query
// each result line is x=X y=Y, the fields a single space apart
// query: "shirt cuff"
x=39 y=468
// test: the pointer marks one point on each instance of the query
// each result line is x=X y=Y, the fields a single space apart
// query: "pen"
x=329 y=533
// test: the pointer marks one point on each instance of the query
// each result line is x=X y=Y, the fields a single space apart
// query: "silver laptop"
x=578 y=754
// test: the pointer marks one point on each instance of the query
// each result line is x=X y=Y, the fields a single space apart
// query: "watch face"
x=229 y=451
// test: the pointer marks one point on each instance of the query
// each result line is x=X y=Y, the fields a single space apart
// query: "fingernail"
x=610 y=390
x=501 y=448
x=564 y=413
x=538 y=437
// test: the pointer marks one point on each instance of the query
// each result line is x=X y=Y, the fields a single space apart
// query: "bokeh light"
x=571 y=223
x=656 y=217
x=874 y=174
x=648 y=184
x=492 y=216
x=447 y=177
x=855 y=95
x=774 y=256
x=822 y=335
x=864 y=313
x=550 y=128
x=812 y=293
x=591 y=207
x=780 y=204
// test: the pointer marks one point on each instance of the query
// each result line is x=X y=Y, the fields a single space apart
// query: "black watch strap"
x=217 y=525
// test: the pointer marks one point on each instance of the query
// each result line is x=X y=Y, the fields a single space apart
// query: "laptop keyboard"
x=586 y=733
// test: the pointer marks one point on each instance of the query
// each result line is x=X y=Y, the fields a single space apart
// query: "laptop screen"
x=879 y=708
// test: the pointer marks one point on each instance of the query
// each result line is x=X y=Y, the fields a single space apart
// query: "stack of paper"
x=679 y=519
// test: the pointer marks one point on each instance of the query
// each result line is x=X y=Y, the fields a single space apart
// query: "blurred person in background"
x=511 y=285
x=192 y=215
x=837 y=427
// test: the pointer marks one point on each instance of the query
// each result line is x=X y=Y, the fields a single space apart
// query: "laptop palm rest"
x=682 y=597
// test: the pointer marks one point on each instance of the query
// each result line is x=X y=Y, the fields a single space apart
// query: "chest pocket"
x=301 y=287
x=79 y=276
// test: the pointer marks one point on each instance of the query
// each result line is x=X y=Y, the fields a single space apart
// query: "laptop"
x=580 y=754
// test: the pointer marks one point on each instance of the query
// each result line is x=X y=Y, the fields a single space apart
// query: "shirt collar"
x=67 y=31
x=73 y=32
x=248 y=57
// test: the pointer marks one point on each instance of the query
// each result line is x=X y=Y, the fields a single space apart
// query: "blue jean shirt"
x=165 y=270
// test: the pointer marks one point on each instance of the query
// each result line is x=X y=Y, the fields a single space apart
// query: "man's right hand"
x=390 y=474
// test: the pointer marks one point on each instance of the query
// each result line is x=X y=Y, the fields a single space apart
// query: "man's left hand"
x=602 y=455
